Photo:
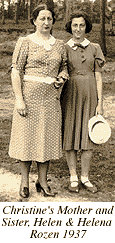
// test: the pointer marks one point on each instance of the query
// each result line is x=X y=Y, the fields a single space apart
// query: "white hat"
x=99 y=130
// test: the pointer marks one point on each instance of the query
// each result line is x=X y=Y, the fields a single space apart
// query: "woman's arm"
x=63 y=75
x=99 y=108
x=18 y=63
x=16 y=83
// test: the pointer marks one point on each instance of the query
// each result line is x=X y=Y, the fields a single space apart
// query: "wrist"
x=19 y=97
x=100 y=99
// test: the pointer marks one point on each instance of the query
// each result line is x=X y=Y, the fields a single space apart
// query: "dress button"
x=82 y=56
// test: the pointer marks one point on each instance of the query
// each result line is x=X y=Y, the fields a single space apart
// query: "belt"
x=48 y=80
x=82 y=72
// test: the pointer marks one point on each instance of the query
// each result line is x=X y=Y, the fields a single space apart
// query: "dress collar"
x=46 y=43
x=84 y=43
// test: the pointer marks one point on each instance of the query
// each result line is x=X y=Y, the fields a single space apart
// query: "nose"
x=46 y=21
x=78 y=27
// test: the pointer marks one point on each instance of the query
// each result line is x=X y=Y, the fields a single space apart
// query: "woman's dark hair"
x=36 y=11
x=79 y=14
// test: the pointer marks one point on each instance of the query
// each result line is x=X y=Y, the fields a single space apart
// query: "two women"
x=81 y=98
x=38 y=71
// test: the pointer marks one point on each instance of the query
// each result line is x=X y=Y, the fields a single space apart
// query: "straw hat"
x=99 y=130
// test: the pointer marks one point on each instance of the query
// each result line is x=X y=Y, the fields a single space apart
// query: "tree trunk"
x=8 y=9
x=16 y=12
x=102 y=26
x=3 y=13
x=68 y=9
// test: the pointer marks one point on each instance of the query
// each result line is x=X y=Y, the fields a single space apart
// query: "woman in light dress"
x=39 y=69
x=81 y=98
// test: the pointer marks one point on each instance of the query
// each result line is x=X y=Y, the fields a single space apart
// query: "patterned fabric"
x=38 y=136
x=33 y=59
x=79 y=95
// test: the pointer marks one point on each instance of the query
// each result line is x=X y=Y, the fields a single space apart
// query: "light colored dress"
x=37 y=137
x=79 y=95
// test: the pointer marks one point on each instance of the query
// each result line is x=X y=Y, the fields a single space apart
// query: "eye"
x=49 y=18
x=82 y=25
x=42 y=18
x=74 y=25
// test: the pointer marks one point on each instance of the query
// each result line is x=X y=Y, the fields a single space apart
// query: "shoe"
x=38 y=187
x=24 y=192
x=74 y=189
x=92 y=189
x=47 y=193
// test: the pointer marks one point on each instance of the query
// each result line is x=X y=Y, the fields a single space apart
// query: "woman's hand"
x=64 y=75
x=99 y=108
x=21 y=107
x=58 y=83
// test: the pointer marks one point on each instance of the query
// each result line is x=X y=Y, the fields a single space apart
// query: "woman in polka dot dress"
x=38 y=72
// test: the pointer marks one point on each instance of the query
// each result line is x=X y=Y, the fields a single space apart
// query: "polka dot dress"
x=38 y=136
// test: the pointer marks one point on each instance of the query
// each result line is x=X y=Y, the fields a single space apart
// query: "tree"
x=102 y=26
x=8 y=8
x=16 y=11
x=3 y=12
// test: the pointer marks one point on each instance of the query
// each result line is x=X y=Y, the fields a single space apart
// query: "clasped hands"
x=60 y=80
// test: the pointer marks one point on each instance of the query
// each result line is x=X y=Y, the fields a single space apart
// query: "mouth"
x=46 y=27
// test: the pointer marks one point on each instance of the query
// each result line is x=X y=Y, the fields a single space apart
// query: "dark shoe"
x=74 y=189
x=24 y=192
x=92 y=189
x=38 y=187
x=47 y=193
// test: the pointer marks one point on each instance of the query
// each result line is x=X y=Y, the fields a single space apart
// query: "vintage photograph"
x=57 y=101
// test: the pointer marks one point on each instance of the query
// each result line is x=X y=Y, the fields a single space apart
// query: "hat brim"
x=99 y=130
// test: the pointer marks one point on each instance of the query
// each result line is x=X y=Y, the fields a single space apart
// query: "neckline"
x=84 y=43
x=46 y=43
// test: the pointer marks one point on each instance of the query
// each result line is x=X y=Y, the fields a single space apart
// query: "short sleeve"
x=20 y=54
x=63 y=68
x=99 y=58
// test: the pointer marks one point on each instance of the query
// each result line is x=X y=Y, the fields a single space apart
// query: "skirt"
x=79 y=101
x=37 y=137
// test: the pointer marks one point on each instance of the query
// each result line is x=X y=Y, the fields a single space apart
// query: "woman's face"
x=44 y=21
x=78 y=27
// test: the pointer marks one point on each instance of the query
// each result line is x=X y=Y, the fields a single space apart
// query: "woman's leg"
x=42 y=179
x=42 y=173
x=85 y=165
x=71 y=157
x=85 y=162
x=25 y=169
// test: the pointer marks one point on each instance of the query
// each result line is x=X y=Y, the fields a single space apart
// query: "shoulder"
x=59 y=42
x=60 y=45
x=98 y=54
x=95 y=46
x=22 y=41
